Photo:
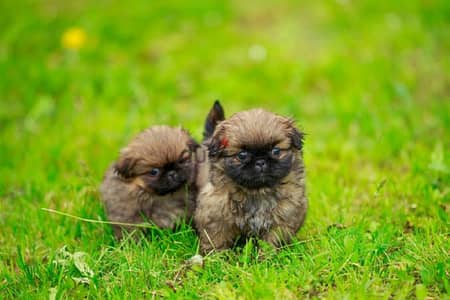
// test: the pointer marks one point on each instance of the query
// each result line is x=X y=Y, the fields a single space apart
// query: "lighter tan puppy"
x=153 y=180
x=256 y=182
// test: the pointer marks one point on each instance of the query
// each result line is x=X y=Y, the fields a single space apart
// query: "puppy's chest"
x=254 y=213
x=174 y=205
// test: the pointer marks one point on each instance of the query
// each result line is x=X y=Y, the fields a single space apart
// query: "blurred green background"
x=368 y=81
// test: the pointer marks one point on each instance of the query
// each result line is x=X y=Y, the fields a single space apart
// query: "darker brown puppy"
x=153 y=179
x=256 y=182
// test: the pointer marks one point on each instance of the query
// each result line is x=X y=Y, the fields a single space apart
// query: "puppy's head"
x=158 y=160
x=255 y=148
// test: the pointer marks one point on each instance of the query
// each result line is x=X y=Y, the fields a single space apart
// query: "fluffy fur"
x=256 y=182
x=153 y=180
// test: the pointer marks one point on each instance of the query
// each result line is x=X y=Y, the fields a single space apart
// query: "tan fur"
x=155 y=147
x=130 y=200
x=226 y=211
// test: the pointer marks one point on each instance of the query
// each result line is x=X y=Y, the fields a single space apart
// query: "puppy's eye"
x=276 y=151
x=242 y=155
x=154 y=172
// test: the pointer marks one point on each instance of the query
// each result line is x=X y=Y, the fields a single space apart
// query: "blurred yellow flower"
x=73 y=38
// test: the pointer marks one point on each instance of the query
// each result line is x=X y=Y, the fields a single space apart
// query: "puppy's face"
x=158 y=160
x=256 y=148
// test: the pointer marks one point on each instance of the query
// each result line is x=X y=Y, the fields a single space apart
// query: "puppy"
x=256 y=182
x=153 y=180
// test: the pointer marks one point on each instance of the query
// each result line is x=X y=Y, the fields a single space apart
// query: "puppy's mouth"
x=258 y=182
x=164 y=190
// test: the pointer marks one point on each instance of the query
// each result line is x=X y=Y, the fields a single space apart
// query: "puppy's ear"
x=124 y=166
x=297 y=138
x=217 y=143
x=215 y=115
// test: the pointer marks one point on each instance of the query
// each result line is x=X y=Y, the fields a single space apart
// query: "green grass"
x=368 y=81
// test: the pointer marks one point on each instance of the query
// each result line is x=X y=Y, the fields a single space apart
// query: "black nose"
x=172 y=175
x=260 y=165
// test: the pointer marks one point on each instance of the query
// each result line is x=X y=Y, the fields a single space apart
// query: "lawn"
x=368 y=81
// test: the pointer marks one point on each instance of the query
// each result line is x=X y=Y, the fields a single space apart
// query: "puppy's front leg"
x=277 y=236
x=214 y=220
x=134 y=217
x=289 y=215
x=216 y=236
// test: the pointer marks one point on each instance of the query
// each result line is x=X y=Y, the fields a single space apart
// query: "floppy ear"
x=297 y=138
x=124 y=166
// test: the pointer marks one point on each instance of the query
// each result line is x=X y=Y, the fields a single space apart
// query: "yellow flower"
x=73 y=38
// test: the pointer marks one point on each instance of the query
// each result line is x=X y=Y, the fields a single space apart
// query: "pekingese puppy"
x=153 y=180
x=256 y=180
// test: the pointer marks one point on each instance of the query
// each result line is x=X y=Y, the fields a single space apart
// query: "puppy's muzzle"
x=261 y=165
